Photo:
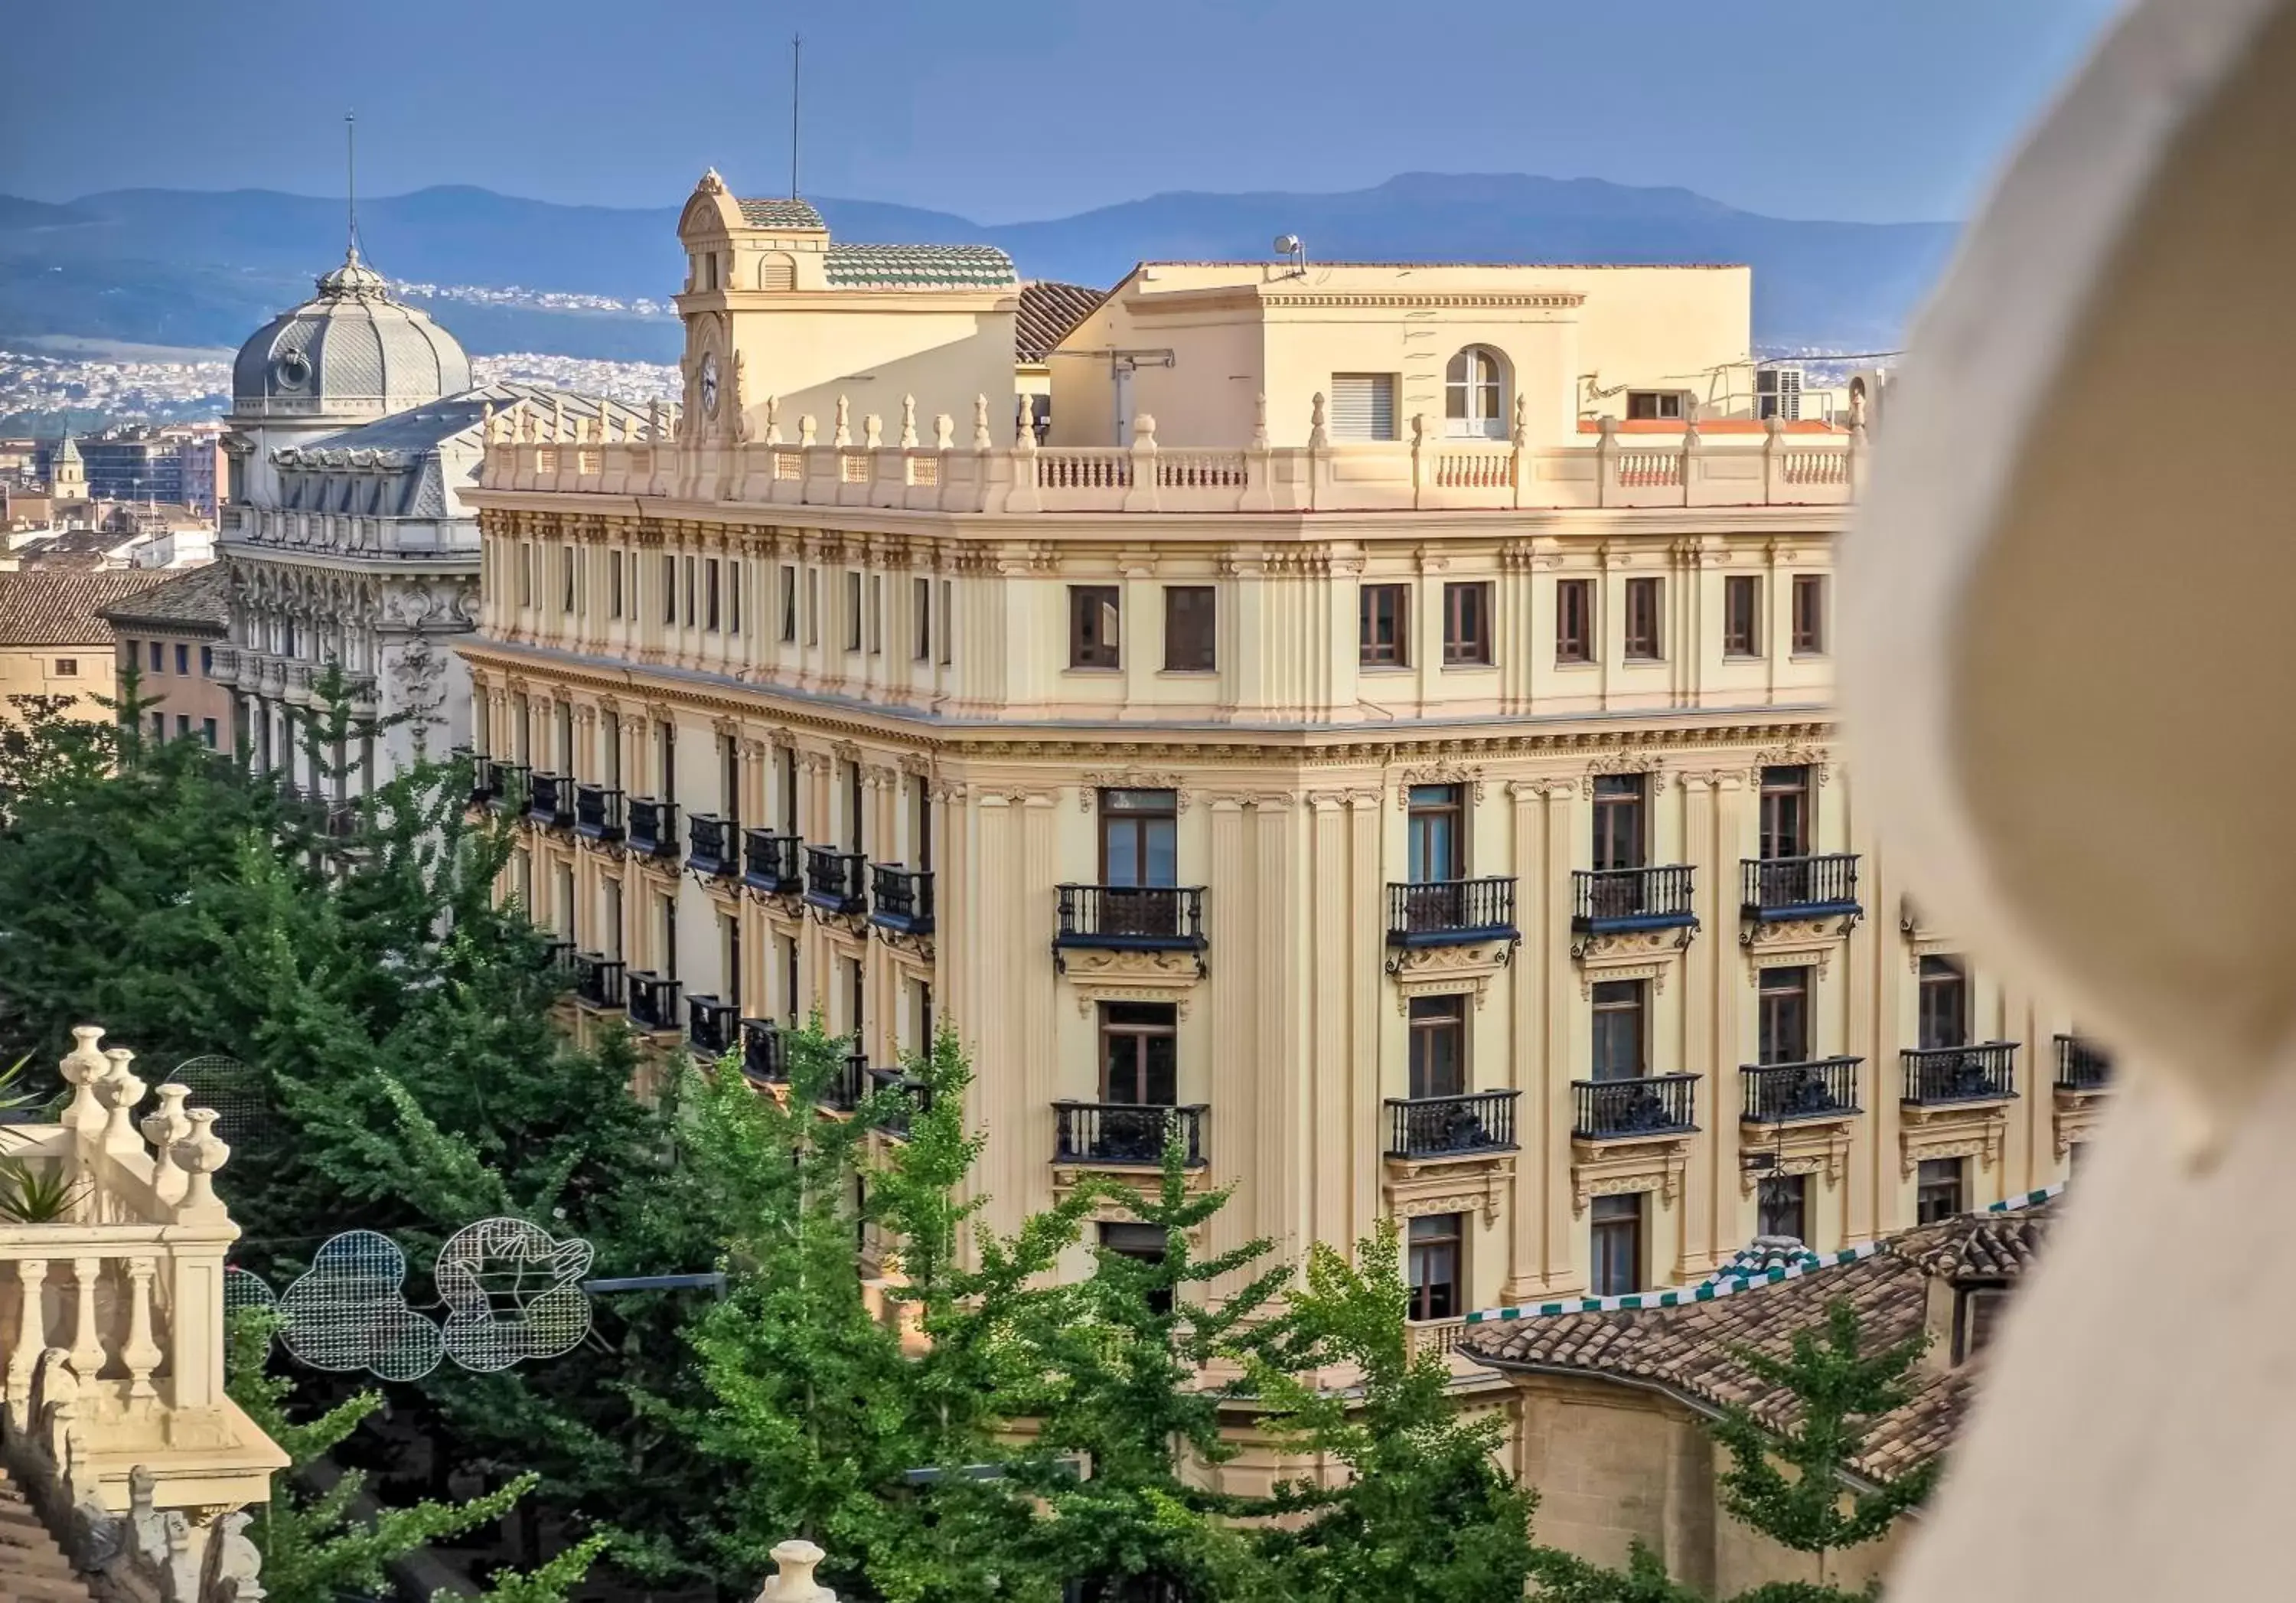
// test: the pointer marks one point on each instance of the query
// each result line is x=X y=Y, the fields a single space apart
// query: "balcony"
x=710 y=845
x=508 y=793
x=1449 y=1127
x=1787 y=1093
x=652 y=828
x=834 y=880
x=846 y=1087
x=1610 y=1110
x=1126 y=1134
x=711 y=1026
x=1775 y=888
x=2082 y=1068
x=1130 y=918
x=773 y=865
x=550 y=800
x=1451 y=912
x=560 y=956
x=765 y=1052
x=599 y=982
x=1940 y=1075
x=915 y=1098
x=901 y=900
x=486 y=782
x=653 y=1001
x=1608 y=901
x=598 y=813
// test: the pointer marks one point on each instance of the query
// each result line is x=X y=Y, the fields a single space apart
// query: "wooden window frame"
x=1645 y=631
x=1467 y=623
x=1810 y=599
x=1626 y=997
x=1618 y=796
x=1371 y=650
x=1419 y=802
x=1783 y=994
x=1430 y=1016
x=1116 y=811
x=1775 y=790
x=1940 y=1189
x=1612 y=1218
x=1943 y=991
x=921 y=600
x=1769 y=1195
x=1103 y=654
x=1139 y=1032
x=788 y=581
x=1202 y=632
x=1435 y=1240
x=1574 y=620
x=1742 y=615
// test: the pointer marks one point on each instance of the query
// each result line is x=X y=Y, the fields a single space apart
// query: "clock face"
x=709 y=382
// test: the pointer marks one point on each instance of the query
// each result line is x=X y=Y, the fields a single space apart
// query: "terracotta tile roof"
x=1684 y=1350
x=775 y=212
x=195 y=601
x=63 y=606
x=919 y=267
x=1049 y=310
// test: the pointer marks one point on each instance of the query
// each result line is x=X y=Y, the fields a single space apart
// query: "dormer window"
x=1474 y=395
x=1654 y=406
x=1976 y=1308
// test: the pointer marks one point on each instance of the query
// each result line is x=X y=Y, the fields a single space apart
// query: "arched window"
x=1474 y=394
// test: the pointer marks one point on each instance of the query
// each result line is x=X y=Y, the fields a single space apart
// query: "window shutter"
x=1362 y=406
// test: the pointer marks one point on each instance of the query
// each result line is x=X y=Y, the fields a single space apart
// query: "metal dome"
x=351 y=351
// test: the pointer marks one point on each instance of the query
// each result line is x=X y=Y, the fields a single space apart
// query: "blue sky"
x=1866 y=109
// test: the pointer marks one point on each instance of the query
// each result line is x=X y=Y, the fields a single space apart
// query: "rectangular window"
x=1615 y=1261
x=947 y=621
x=1190 y=630
x=1466 y=623
x=526 y=573
x=1142 y=1244
x=1976 y=1310
x=159 y=662
x=207 y=662
x=1782 y=1209
x=1742 y=616
x=876 y=614
x=668 y=588
x=207 y=732
x=1435 y=1290
x=1647 y=406
x=566 y=579
x=855 y=816
x=1782 y=1020
x=1362 y=407
x=692 y=587
x=1619 y=1033
x=729 y=779
x=1139 y=1061
x=709 y=597
x=1939 y=1189
x=613 y=584
x=732 y=596
x=183 y=725
x=920 y=619
x=785 y=764
x=665 y=926
x=617 y=943
x=1786 y=822
x=729 y=959
x=785 y=947
x=852 y=611
x=184 y=660
x=1619 y=807
x=67 y=668
x=610 y=743
x=1439 y=1045
x=1810 y=614
x=789 y=604
x=1435 y=828
x=1139 y=838
x=1385 y=612
x=1574 y=620
x=158 y=726
x=1944 y=1019
x=1642 y=621
x=813 y=606
x=1093 y=635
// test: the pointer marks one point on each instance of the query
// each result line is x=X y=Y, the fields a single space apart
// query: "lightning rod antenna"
x=351 y=182
x=797 y=46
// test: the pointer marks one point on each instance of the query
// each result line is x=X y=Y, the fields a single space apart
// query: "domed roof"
x=351 y=351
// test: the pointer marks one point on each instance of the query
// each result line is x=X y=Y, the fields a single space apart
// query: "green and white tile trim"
x=1713 y=1291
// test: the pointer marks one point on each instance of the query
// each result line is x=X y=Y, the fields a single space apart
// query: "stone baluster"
x=140 y=1353
x=1142 y=495
x=119 y=1092
x=1693 y=444
x=1420 y=465
x=88 y=1341
x=163 y=1129
x=808 y=431
x=844 y=435
x=653 y=421
x=31 y=1338
x=908 y=423
x=982 y=440
x=1774 y=443
x=944 y=432
x=872 y=432
x=794 y=1563
x=82 y=1068
x=1606 y=462
x=1319 y=436
x=773 y=420
x=202 y=1154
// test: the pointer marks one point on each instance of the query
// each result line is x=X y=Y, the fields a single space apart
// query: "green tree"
x=1424 y=1513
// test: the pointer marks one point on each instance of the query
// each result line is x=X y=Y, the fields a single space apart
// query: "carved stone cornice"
x=1091 y=784
x=1469 y=775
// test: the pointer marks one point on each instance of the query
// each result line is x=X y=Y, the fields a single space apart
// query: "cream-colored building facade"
x=1445 y=821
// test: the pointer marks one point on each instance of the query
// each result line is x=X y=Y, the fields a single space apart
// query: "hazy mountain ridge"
x=185 y=268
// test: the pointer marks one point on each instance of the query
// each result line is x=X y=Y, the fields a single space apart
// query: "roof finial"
x=350 y=185
x=797 y=47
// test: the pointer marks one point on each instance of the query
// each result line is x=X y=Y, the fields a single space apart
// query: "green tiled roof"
x=919 y=267
x=769 y=212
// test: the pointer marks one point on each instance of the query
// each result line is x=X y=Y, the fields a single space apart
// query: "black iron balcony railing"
x=652 y=828
x=1986 y=1073
x=1126 y=1133
x=1451 y=912
x=598 y=980
x=597 y=812
x=833 y=880
x=1656 y=1105
x=916 y=1097
x=1798 y=887
x=765 y=1051
x=773 y=864
x=2081 y=1066
x=560 y=956
x=1603 y=900
x=510 y=787
x=845 y=1087
x=1442 y=1127
x=1780 y=1093
x=485 y=781
x=550 y=800
x=711 y=1025
x=653 y=1001
x=709 y=849
x=1131 y=917
x=901 y=899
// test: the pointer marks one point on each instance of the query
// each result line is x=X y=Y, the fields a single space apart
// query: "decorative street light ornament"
x=349 y=1312
x=513 y=1292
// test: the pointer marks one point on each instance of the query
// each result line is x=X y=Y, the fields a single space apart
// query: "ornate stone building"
x=1419 y=788
x=354 y=432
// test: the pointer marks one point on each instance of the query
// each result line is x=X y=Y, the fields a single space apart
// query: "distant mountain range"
x=185 y=268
